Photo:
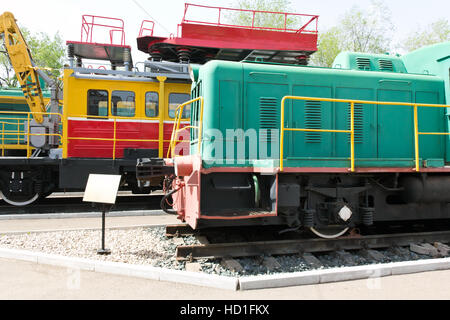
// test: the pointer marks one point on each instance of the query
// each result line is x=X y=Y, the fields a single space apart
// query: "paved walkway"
x=26 y=280
x=24 y=225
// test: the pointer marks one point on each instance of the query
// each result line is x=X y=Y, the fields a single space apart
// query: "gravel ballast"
x=149 y=246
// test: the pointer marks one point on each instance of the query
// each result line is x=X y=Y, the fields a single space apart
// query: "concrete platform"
x=28 y=280
x=71 y=222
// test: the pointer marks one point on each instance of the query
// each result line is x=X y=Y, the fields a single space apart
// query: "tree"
x=47 y=53
x=438 y=31
x=329 y=45
x=264 y=20
x=358 y=30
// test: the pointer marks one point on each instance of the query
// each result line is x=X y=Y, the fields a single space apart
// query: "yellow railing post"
x=3 y=139
x=352 y=136
x=200 y=126
x=18 y=131
x=176 y=126
x=282 y=132
x=114 y=140
x=28 y=135
x=416 y=137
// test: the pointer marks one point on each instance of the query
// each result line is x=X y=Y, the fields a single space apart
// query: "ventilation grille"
x=313 y=120
x=363 y=63
x=359 y=122
x=385 y=65
x=268 y=117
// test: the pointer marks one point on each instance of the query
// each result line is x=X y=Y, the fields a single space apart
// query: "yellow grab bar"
x=176 y=127
x=352 y=123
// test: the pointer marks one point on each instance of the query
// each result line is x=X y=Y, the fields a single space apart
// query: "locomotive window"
x=97 y=104
x=123 y=103
x=175 y=99
x=151 y=104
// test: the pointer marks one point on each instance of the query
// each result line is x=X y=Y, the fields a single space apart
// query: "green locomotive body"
x=248 y=96
x=322 y=148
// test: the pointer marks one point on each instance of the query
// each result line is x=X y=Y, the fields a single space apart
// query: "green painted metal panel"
x=310 y=115
x=395 y=125
x=229 y=104
x=262 y=114
x=430 y=120
x=248 y=95
x=365 y=123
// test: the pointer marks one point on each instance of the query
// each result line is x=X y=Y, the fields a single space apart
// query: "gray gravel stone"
x=150 y=246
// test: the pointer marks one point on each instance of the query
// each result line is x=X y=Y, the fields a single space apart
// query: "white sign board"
x=102 y=188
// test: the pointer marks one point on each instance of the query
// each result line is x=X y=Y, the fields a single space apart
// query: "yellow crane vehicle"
x=102 y=122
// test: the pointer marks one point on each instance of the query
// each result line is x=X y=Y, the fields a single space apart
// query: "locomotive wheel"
x=329 y=232
x=19 y=200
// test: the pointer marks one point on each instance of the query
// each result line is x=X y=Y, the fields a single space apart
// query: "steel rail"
x=75 y=204
x=282 y=247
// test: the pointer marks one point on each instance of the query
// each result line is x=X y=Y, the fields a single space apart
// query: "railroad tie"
x=345 y=257
x=202 y=239
x=231 y=264
x=271 y=263
x=425 y=249
x=311 y=260
x=443 y=249
x=372 y=255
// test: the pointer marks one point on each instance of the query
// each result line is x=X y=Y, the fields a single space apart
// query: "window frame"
x=112 y=104
x=88 y=104
x=157 y=104
x=168 y=104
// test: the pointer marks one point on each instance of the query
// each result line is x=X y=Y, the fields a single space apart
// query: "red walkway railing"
x=310 y=27
x=111 y=25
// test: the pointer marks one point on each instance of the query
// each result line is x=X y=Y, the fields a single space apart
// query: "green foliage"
x=329 y=45
x=360 y=30
x=438 y=31
x=47 y=53
x=264 y=20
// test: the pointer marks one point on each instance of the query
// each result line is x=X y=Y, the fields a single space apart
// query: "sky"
x=50 y=16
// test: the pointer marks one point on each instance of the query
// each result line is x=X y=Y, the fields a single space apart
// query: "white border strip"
x=124 y=269
x=112 y=120
x=342 y=274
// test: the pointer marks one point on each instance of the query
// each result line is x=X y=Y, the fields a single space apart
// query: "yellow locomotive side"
x=149 y=104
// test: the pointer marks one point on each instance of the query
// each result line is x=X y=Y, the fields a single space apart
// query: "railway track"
x=74 y=203
x=349 y=250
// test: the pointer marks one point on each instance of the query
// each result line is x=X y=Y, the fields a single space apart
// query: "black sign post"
x=105 y=208
x=101 y=189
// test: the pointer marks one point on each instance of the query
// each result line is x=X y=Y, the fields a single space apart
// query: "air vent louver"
x=268 y=117
x=385 y=65
x=313 y=120
x=358 y=122
x=363 y=63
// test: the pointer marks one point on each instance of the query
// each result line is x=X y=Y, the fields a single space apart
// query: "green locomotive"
x=322 y=148
x=13 y=114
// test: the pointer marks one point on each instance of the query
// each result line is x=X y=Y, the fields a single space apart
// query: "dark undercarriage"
x=321 y=200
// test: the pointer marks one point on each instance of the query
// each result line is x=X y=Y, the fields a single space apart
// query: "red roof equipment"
x=199 y=41
x=115 y=50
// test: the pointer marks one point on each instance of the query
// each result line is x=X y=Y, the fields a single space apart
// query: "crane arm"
x=22 y=62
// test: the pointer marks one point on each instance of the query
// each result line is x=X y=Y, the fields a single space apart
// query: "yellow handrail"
x=12 y=119
x=352 y=123
x=176 y=127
